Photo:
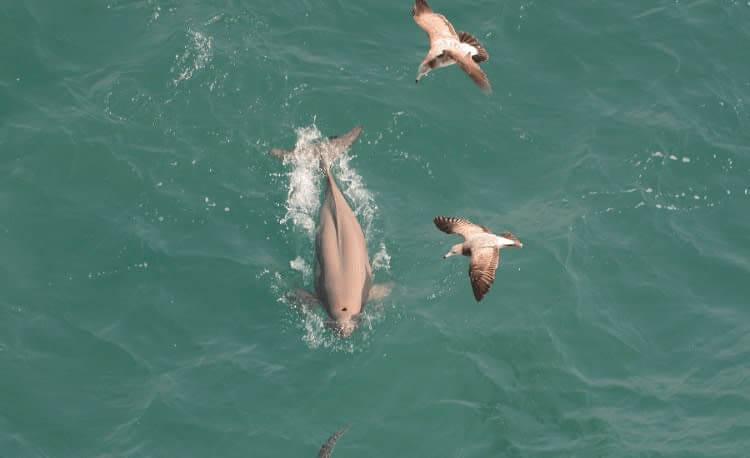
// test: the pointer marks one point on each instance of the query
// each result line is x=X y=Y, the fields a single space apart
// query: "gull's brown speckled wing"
x=435 y=25
x=460 y=226
x=471 y=68
x=482 y=269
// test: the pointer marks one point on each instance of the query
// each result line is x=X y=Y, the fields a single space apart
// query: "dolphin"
x=343 y=276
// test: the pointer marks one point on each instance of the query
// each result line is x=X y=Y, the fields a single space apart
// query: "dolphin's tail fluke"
x=327 y=448
x=337 y=145
x=327 y=149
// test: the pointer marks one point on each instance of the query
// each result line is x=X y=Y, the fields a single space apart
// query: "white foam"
x=381 y=260
x=196 y=56
x=303 y=193
x=317 y=335
x=302 y=266
x=137 y=266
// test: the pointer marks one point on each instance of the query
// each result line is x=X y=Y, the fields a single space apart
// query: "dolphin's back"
x=344 y=274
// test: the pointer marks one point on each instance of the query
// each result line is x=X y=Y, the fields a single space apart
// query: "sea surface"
x=149 y=245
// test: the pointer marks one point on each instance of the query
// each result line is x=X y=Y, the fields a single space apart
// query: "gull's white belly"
x=443 y=44
x=468 y=49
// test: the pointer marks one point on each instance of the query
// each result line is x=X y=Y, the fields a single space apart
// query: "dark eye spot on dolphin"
x=343 y=309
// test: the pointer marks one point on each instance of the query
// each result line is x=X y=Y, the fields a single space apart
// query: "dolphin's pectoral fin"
x=380 y=291
x=305 y=298
x=281 y=153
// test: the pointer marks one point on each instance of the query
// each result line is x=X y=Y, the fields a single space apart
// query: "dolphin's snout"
x=343 y=328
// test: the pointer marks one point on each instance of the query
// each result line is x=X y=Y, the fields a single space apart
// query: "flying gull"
x=448 y=47
x=482 y=245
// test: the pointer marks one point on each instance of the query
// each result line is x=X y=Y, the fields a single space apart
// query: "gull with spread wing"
x=482 y=245
x=448 y=47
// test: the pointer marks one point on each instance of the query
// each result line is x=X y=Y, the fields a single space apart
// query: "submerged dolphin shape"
x=343 y=276
x=327 y=448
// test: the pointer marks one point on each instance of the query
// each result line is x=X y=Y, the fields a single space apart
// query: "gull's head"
x=422 y=71
x=455 y=249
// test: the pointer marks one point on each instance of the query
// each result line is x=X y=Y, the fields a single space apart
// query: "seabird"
x=327 y=448
x=448 y=47
x=482 y=245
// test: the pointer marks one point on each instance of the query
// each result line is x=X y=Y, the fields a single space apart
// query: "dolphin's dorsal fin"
x=379 y=291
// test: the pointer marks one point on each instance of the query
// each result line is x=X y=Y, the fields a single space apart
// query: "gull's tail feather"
x=469 y=39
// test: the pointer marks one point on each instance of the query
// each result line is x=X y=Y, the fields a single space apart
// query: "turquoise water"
x=149 y=243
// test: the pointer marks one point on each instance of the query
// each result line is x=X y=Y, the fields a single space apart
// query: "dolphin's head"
x=345 y=318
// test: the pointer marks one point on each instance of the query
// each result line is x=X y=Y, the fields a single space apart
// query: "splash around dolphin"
x=343 y=276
